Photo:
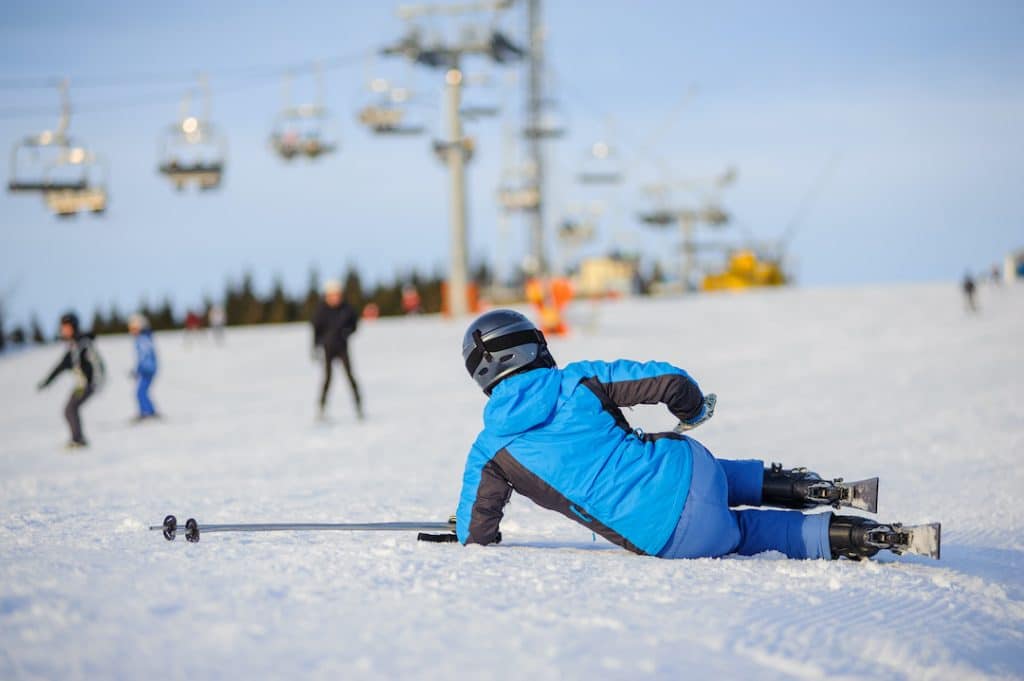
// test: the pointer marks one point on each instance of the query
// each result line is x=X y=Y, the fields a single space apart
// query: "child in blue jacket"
x=558 y=436
x=145 y=364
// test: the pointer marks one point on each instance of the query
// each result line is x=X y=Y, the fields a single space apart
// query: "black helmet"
x=501 y=343
x=70 y=318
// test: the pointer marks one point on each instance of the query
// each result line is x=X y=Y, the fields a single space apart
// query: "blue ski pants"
x=142 y=395
x=709 y=528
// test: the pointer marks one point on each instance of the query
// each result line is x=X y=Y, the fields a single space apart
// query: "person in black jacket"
x=333 y=322
x=81 y=358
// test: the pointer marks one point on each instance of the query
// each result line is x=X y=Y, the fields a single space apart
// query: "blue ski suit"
x=145 y=370
x=558 y=437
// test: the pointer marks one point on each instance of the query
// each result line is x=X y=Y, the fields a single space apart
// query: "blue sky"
x=920 y=104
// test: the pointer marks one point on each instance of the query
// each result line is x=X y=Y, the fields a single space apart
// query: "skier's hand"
x=707 y=410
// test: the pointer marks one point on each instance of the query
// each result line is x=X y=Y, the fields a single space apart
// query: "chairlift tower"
x=457 y=149
x=535 y=148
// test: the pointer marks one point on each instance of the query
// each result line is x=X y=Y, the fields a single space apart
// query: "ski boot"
x=801 y=488
x=858 y=538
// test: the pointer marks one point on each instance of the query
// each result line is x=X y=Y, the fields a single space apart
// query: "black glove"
x=707 y=410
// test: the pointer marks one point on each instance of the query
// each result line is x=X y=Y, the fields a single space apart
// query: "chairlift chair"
x=657 y=210
x=193 y=151
x=518 y=198
x=69 y=202
x=468 y=145
x=30 y=160
x=302 y=131
x=601 y=166
x=576 y=232
x=33 y=158
x=387 y=120
x=518 y=191
x=658 y=217
x=478 y=111
x=550 y=126
x=580 y=222
x=77 y=182
x=551 y=123
x=386 y=114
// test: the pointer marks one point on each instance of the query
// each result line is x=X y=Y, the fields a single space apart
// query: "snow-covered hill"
x=895 y=381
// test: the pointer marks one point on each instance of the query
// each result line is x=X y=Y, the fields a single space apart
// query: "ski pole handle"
x=708 y=411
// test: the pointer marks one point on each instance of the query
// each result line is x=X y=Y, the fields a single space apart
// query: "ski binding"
x=921 y=540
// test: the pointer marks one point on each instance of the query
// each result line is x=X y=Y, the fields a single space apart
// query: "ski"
x=922 y=540
x=861 y=494
x=193 y=529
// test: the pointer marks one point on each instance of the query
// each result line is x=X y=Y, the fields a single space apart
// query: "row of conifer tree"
x=243 y=305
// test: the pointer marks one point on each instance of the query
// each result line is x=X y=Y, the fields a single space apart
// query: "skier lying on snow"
x=558 y=436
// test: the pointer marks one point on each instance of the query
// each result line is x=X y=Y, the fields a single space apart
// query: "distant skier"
x=970 y=290
x=83 y=360
x=193 y=325
x=145 y=364
x=558 y=436
x=216 y=318
x=411 y=301
x=334 y=321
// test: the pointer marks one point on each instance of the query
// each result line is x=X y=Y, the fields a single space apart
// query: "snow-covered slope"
x=895 y=381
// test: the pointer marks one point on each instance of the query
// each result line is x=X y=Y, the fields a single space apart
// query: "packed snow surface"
x=899 y=382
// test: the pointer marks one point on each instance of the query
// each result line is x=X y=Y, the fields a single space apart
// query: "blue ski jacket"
x=145 y=353
x=558 y=437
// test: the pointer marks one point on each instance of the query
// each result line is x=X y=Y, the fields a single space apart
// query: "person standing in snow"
x=558 y=436
x=334 y=321
x=145 y=364
x=216 y=318
x=83 y=360
x=969 y=288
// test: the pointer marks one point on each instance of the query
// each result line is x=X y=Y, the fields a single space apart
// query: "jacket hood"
x=522 y=402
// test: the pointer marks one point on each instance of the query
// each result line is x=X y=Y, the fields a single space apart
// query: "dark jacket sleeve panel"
x=318 y=324
x=63 y=365
x=353 y=319
x=492 y=494
x=676 y=391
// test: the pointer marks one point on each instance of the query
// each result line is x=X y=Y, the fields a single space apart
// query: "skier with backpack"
x=84 y=361
x=558 y=436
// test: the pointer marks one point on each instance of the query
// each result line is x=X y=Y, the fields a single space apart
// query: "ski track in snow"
x=896 y=381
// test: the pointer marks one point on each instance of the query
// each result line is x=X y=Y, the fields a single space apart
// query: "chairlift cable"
x=808 y=199
x=639 y=148
x=253 y=80
x=182 y=77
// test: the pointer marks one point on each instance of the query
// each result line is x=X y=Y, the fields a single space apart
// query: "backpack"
x=99 y=369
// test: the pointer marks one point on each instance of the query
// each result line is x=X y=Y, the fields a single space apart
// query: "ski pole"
x=193 y=528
